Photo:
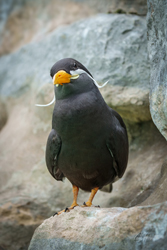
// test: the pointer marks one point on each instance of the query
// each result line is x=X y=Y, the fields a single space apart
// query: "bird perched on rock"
x=88 y=143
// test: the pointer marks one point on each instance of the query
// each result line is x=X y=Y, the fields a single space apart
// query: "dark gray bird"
x=88 y=143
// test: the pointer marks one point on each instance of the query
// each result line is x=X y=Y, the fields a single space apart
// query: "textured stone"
x=3 y=114
x=23 y=21
x=18 y=222
x=113 y=228
x=159 y=194
x=138 y=7
x=157 y=50
x=132 y=103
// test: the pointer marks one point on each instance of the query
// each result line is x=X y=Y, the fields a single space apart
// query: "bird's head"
x=70 y=77
x=66 y=70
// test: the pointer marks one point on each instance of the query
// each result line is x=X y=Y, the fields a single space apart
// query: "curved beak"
x=62 y=77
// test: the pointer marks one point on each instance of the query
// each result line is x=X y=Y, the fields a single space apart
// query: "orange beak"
x=61 y=77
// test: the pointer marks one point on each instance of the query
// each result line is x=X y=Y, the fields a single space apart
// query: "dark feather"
x=52 y=151
x=117 y=144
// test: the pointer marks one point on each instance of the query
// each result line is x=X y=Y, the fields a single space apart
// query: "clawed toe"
x=89 y=205
x=66 y=210
x=60 y=212
x=54 y=214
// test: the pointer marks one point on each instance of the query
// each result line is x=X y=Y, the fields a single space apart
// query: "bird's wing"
x=117 y=144
x=53 y=148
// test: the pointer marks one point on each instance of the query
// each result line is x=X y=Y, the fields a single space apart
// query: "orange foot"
x=75 y=190
x=67 y=209
x=89 y=202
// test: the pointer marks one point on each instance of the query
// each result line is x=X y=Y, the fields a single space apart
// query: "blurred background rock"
x=110 y=39
x=23 y=21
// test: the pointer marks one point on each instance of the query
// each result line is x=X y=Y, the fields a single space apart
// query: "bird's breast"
x=74 y=117
x=83 y=125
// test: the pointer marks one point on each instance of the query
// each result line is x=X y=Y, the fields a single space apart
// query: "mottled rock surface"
x=3 y=114
x=138 y=7
x=113 y=228
x=23 y=21
x=18 y=220
x=157 y=50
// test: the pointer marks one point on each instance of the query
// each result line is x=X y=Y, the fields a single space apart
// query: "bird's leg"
x=75 y=190
x=89 y=202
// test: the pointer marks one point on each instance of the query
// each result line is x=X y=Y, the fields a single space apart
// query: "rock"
x=113 y=228
x=158 y=195
x=3 y=114
x=124 y=64
x=138 y=7
x=132 y=103
x=18 y=222
x=157 y=47
x=26 y=21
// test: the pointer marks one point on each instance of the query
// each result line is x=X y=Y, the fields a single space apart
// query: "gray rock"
x=18 y=222
x=132 y=103
x=3 y=114
x=23 y=21
x=138 y=7
x=158 y=195
x=95 y=228
x=157 y=50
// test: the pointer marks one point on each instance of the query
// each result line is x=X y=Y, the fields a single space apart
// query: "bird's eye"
x=75 y=65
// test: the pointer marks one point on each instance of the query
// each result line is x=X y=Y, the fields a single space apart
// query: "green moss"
x=120 y=11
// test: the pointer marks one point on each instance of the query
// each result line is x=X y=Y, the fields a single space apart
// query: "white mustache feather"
x=46 y=105
x=74 y=73
x=81 y=71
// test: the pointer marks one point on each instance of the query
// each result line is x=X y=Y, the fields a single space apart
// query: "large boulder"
x=114 y=228
x=157 y=50
x=23 y=21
